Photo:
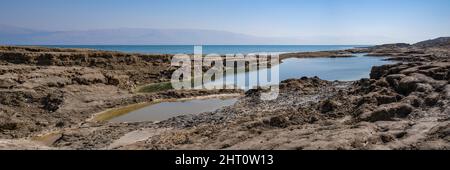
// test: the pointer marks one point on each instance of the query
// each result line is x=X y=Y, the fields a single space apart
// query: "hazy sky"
x=372 y=21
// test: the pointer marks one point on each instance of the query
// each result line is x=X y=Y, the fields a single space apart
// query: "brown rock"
x=413 y=100
x=52 y=101
x=6 y=83
x=382 y=83
x=328 y=106
x=278 y=121
x=423 y=78
x=379 y=71
x=388 y=112
x=422 y=87
x=118 y=80
x=91 y=78
x=432 y=99
x=447 y=91
x=408 y=85
x=394 y=79
x=385 y=99
x=411 y=83
x=8 y=126
x=385 y=138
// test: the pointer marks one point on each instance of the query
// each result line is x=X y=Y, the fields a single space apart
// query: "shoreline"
x=98 y=117
x=92 y=48
x=83 y=82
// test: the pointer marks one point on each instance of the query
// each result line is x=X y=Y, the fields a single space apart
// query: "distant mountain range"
x=441 y=42
x=10 y=35
x=438 y=42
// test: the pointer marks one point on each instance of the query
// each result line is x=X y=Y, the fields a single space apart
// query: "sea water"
x=210 y=49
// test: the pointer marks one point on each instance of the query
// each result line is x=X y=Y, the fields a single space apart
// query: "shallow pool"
x=166 y=110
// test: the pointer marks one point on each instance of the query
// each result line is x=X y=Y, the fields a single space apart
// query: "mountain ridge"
x=10 y=35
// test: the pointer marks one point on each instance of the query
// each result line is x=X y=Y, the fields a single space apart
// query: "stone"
x=423 y=78
x=52 y=101
x=388 y=112
x=407 y=85
x=328 y=106
x=413 y=100
x=379 y=71
x=422 y=87
x=382 y=83
x=432 y=99
x=8 y=126
x=278 y=121
x=385 y=138
x=411 y=83
x=394 y=79
x=6 y=83
x=385 y=99
x=91 y=78
x=446 y=91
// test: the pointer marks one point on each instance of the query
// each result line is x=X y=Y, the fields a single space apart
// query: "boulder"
x=328 y=106
x=122 y=81
x=91 y=78
x=415 y=82
x=423 y=78
x=385 y=99
x=379 y=71
x=438 y=73
x=8 y=126
x=278 y=121
x=413 y=100
x=7 y=83
x=394 y=79
x=382 y=83
x=422 y=87
x=388 y=112
x=432 y=99
x=446 y=92
x=407 y=85
x=52 y=101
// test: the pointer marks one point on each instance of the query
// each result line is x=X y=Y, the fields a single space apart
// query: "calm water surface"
x=342 y=69
x=208 y=49
x=166 y=110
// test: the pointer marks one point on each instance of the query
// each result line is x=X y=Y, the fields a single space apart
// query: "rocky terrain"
x=46 y=102
x=45 y=89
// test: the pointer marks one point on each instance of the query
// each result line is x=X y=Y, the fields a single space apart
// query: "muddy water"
x=166 y=110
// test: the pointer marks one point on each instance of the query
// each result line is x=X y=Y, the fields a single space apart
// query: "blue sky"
x=371 y=21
